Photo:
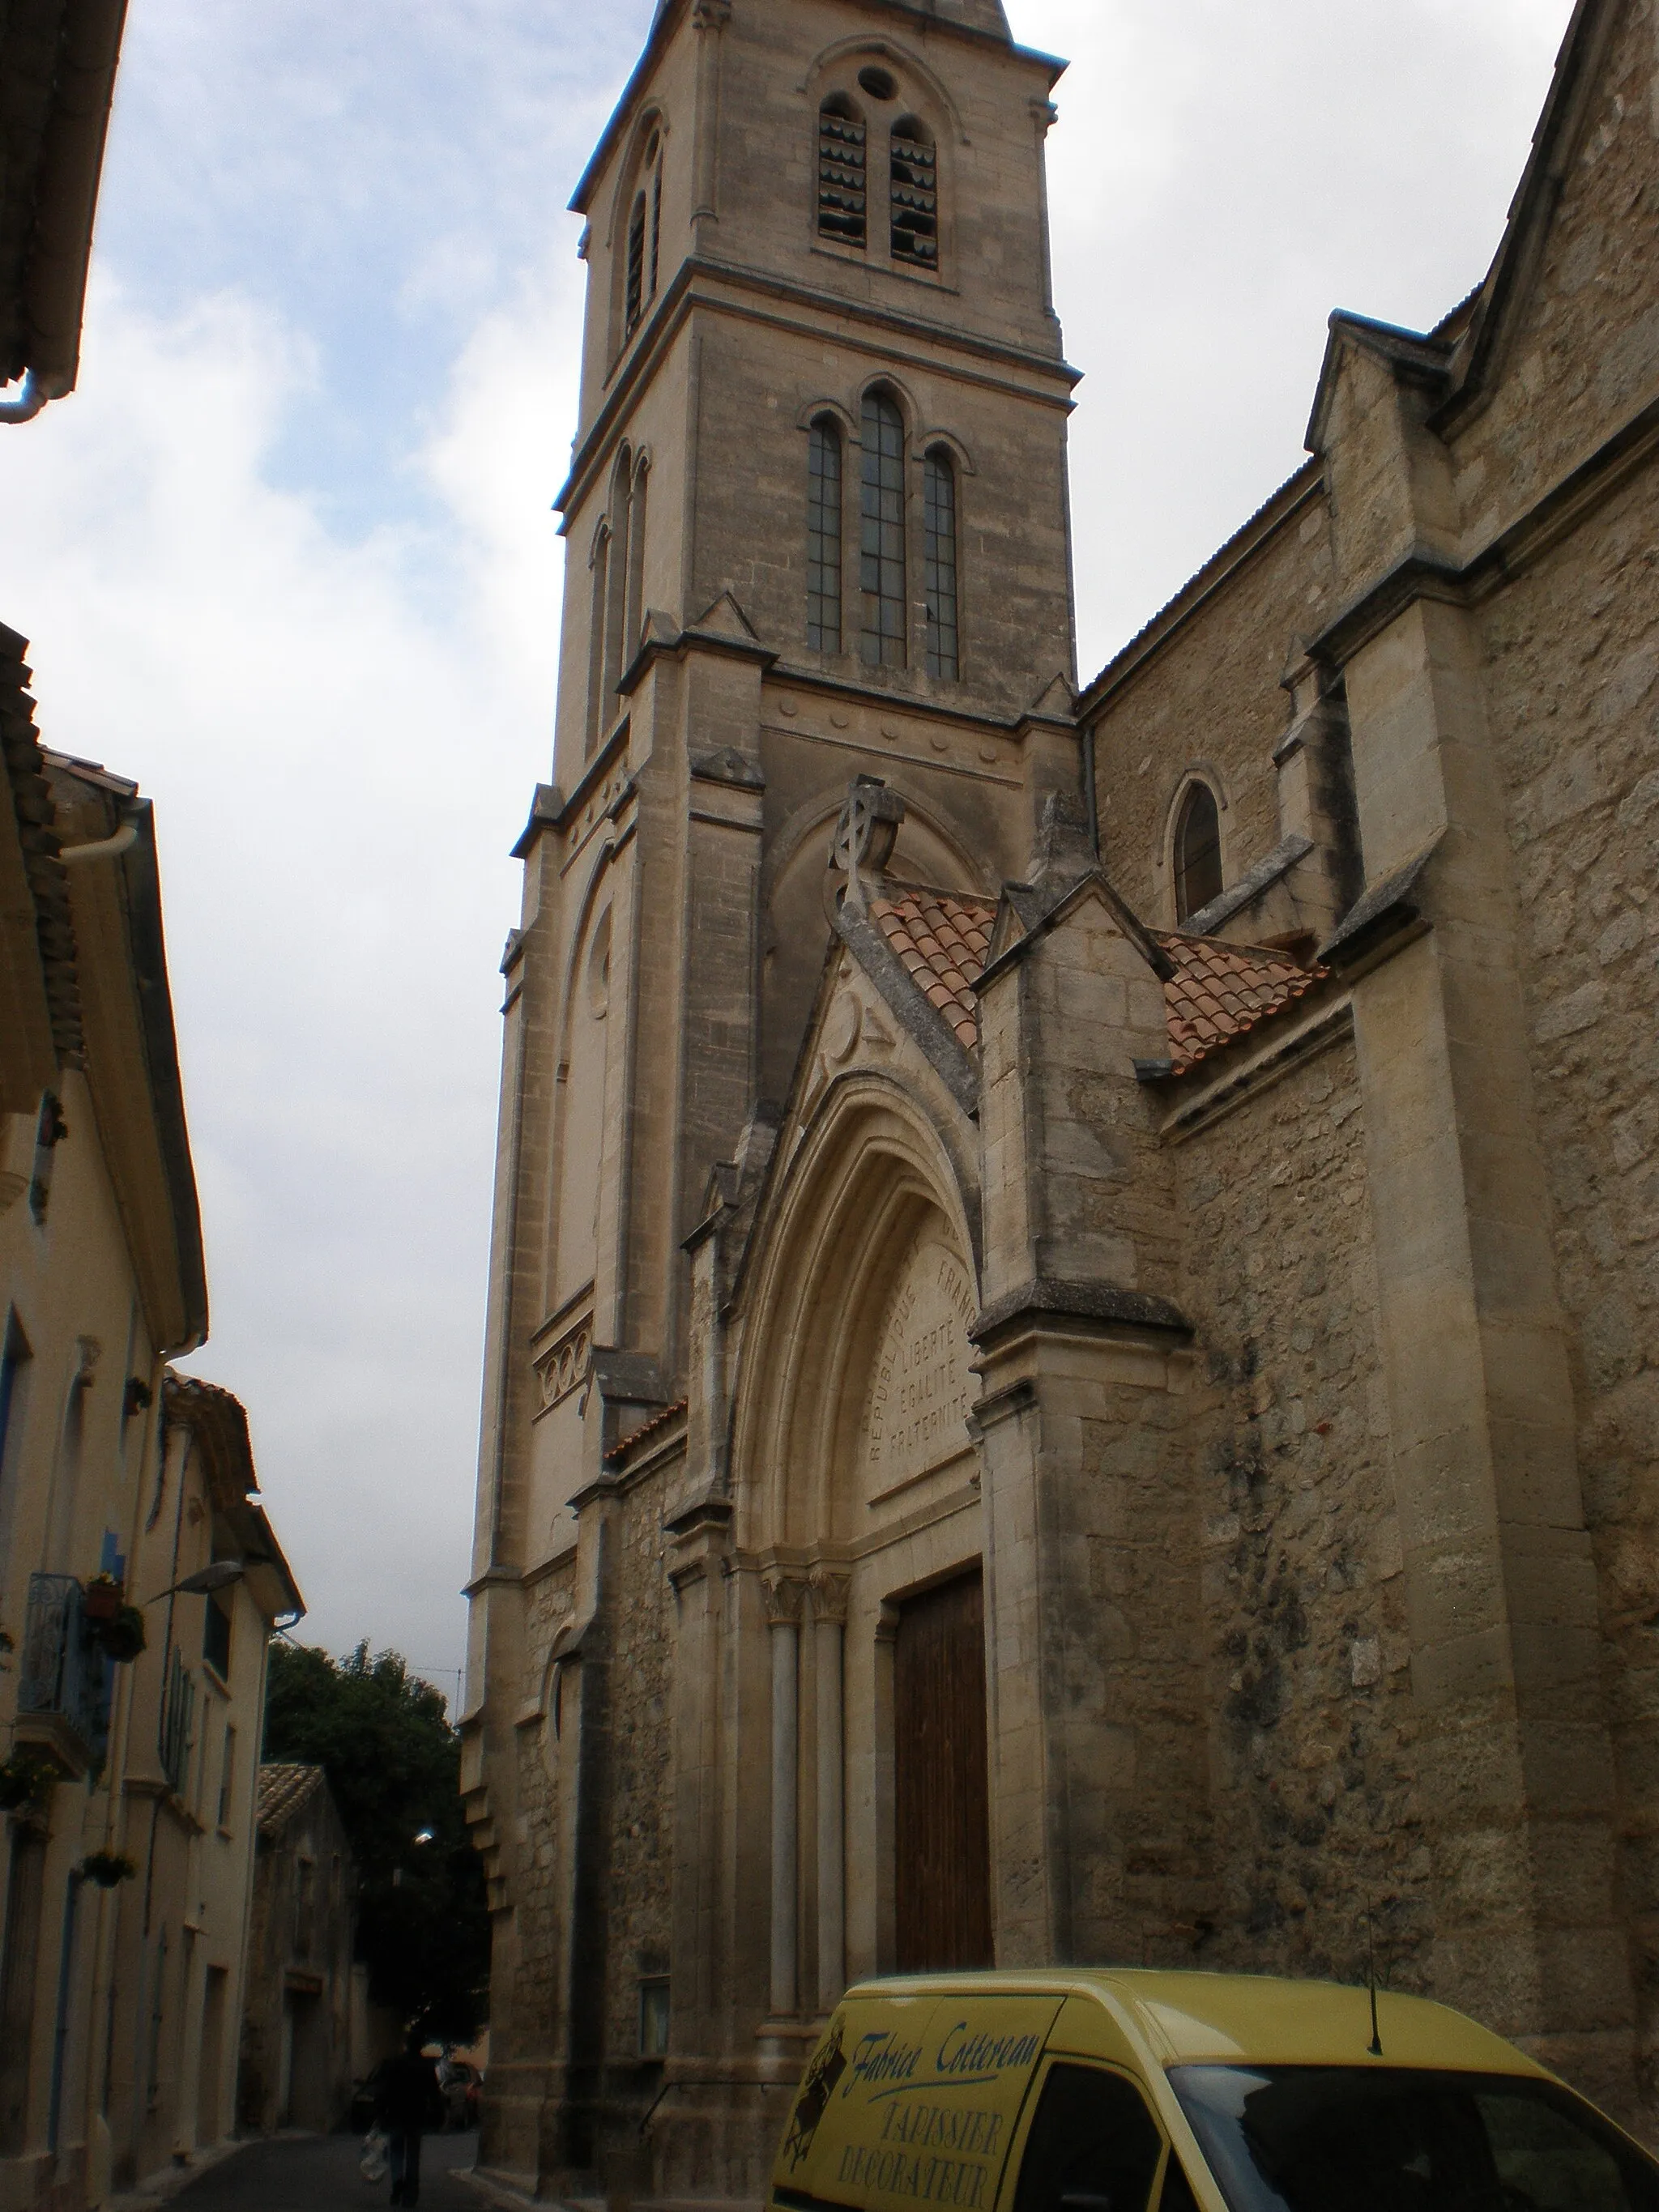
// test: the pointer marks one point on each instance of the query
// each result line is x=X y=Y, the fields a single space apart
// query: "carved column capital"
x=827 y=1596
x=786 y=1598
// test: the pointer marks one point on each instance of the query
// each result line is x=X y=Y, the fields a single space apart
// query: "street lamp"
x=218 y=1574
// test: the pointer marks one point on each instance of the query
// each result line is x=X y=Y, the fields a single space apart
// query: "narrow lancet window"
x=635 y=265
x=1197 y=852
x=842 y=172
x=940 y=520
x=881 y=533
x=915 y=189
x=601 y=566
x=823 y=537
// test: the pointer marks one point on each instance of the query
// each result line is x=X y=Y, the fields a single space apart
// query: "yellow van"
x=1073 y=2091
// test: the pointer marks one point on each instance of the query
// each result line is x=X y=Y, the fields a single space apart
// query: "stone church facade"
x=1073 y=1368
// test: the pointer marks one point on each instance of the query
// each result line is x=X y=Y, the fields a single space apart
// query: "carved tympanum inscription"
x=916 y=1416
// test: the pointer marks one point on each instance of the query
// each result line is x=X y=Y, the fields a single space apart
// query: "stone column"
x=828 y=1603
x=783 y=1612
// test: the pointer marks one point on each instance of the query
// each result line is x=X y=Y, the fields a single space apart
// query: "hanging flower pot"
x=102 y=1599
x=26 y=1783
x=122 y=1638
x=108 y=1868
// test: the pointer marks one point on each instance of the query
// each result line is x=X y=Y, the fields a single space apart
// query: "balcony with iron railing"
x=64 y=1687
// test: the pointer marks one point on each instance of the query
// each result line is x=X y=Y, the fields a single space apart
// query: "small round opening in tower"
x=878 y=84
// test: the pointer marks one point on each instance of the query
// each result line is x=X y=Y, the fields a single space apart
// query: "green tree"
x=394 y=1765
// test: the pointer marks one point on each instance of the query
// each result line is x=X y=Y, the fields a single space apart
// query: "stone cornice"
x=698 y=282
x=1047 y=1298
x=1421 y=574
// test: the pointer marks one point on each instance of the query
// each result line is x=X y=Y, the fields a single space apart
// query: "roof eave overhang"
x=51 y=299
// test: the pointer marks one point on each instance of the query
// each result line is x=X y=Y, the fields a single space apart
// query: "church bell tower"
x=816 y=531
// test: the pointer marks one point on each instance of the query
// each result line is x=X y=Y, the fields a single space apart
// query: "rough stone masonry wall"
x=535 y=1984
x=1316 y=1810
x=642 y=1870
x=1574 y=705
x=1213 y=696
x=1587 y=353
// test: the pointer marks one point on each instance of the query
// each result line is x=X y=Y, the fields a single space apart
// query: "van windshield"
x=1407 y=2139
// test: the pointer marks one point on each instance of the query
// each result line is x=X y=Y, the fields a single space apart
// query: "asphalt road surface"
x=318 y=2173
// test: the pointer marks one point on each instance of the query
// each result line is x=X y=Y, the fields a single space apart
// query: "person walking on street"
x=410 y=2104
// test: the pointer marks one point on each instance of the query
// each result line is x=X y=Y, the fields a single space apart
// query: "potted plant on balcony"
x=26 y=1783
x=122 y=1637
x=103 y=1598
x=108 y=1869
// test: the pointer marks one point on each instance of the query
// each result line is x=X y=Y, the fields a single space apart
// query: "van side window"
x=1093 y=2145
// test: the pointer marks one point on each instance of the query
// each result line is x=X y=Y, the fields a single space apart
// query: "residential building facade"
x=190 y=1780
x=1070 y=1372
x=101 y=1280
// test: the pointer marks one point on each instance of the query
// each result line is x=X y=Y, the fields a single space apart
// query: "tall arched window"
x=841 y=199
x=601 y=572
x=914 y=189
x=633 y=615
x=823 y=496
x=644 y=239
x=616 y=597
x=881 y=532
x=940 y=520
x=1197 y=852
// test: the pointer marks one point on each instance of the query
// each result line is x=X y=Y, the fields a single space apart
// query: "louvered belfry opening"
x=841 y=197
x=914 y=194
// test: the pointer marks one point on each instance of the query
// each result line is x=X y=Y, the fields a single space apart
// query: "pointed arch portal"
x=857 y=1499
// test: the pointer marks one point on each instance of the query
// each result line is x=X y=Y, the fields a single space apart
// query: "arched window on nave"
x=1197 y=852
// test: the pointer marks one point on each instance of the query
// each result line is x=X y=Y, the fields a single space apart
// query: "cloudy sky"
x=287 y=557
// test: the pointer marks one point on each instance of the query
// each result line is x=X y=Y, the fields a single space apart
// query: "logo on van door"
x=817 y=2088
x=880 y=2057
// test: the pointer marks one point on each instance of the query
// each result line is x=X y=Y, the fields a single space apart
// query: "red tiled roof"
x=625 y=1444
x=943 y=942
x=1221 y=990
x=1217 y=992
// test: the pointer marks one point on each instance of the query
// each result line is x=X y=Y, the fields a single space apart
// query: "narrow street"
x=318 y=2173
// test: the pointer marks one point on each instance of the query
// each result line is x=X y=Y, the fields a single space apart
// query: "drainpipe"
x=103 y=849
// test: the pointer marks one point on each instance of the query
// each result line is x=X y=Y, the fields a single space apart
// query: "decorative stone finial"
x=865 y=834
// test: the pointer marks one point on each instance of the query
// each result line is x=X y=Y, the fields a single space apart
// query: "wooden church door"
x=942 y=1888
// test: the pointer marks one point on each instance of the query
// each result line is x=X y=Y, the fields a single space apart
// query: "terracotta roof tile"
x=942 y=940
x=1218 y=992
x=283 y=1788
x=664 y=1419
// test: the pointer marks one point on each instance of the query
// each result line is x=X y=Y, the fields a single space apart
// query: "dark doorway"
x=942 y=1900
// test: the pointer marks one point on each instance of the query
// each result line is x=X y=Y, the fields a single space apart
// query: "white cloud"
x=1222 y=178
x=335 y=770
